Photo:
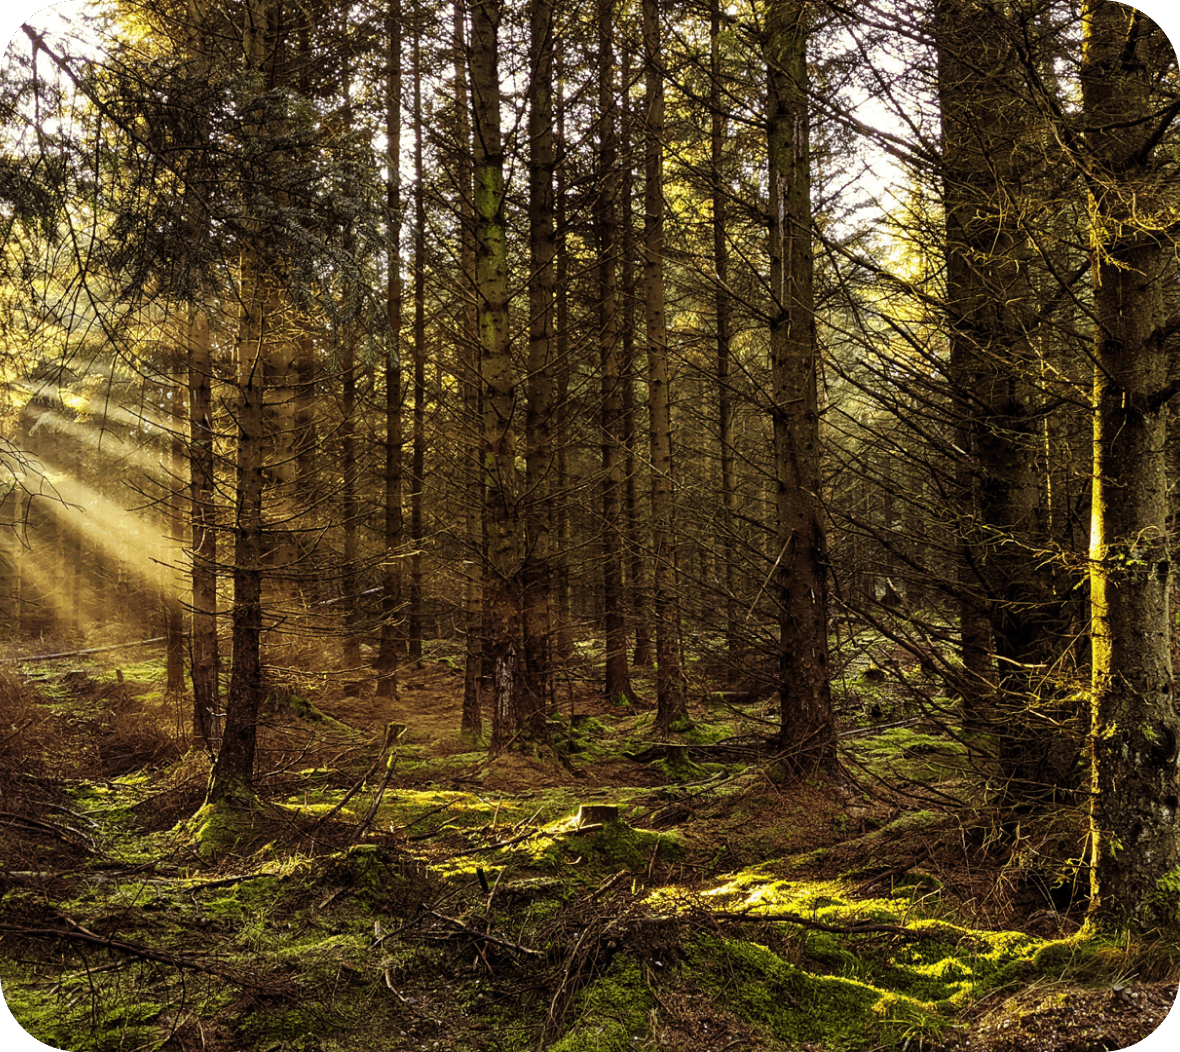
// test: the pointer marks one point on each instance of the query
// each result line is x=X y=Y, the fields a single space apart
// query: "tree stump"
x=597 y=814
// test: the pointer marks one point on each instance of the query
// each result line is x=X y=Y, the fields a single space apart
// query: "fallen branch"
x=19 y=730
x=856 y=928
x=559 y=1003
x=39 y=825
x=895 y=871
x=76 y=933
x=474 y=933
x=221 y=882
x=393 y=731
x=606 y=886
x=88 y=650
x=368 y=821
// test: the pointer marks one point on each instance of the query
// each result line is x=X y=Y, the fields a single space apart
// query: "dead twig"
x=67 y=834
x=76 y=933
x=89 y=650
x=856 y=928
x=393 y=731
x=484 y=936
x=895 y=871
x=368 y=820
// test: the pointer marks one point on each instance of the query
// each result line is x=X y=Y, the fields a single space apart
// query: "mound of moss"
x=611 y=1012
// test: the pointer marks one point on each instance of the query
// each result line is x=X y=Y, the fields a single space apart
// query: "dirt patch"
x=1070 y=1019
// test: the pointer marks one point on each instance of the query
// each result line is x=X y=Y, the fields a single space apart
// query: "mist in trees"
x=660 y=345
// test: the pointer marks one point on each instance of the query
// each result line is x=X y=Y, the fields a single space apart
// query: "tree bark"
x=499 y=385
x=469 y=346
x=563 y=643
x=643 y=656
x=350 y=469
x=617 y=677
x=1135 y=783
x=231 y=781
x=538 y=419
x=418 y=451
x=800 y=571
x=204 y=650
x=206 y=659
x=387 y=657
x=670 y=702
x=722 y=312
x=174 y=659
x=1009 y=606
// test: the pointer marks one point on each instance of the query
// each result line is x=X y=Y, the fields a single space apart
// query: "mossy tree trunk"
x=1135 y=787
x=499 y=384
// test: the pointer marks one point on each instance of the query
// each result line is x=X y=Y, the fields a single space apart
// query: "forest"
x=631 y=524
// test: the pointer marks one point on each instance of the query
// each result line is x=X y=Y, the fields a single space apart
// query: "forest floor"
x=609 y=891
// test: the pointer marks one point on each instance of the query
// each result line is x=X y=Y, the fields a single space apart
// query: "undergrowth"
x=470 y=904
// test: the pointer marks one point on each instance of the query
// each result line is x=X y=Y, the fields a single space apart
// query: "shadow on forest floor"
x=608 y=890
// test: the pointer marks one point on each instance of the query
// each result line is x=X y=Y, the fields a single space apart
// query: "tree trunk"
x=538 y=420
x=670 y=702
x=174 y=658
x=721 y=305
x=563 y=644
x=1135 y=784
x=996 y=374
x=350 y=470
x=232 y=778
x=643 y=656
x=387 y=656
x=231 y=781
x=206 y=659
x=469 y=347
x=499 y=443
x=204 y=650
x=617 y=678
x=801 y=568
x=418 y=461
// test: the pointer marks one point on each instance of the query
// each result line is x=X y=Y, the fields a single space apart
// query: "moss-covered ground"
x=605 y=890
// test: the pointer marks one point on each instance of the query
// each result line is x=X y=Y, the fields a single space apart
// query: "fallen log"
x=88 y=650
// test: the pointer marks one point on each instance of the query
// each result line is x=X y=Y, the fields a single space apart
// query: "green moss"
x=915 y=885
x=901 y=751
x=147 y=671
x=246 y=897
x=707 y=733
x=618 y=844
x=292 y=1028
x=223 y=829
x=611 y=1012
x=84 y=1012
x=793 y=1005
x=826 y=950
x=677 y=767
